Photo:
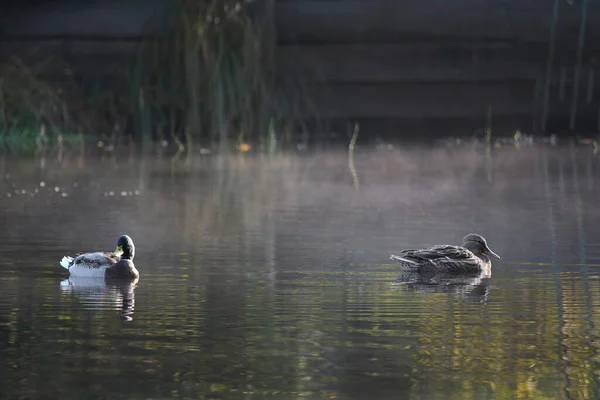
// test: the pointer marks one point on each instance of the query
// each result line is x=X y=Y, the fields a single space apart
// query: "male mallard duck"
x=471 y=257
x=118 y=264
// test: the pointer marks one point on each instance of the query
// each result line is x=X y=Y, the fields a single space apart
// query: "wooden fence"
x=397 y=66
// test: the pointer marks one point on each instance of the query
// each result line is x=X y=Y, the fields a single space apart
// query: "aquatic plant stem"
x=488 y=143
x=577 y=76
x=145 y=122
x=549 y=64
x=351 y=156
x=2 y=111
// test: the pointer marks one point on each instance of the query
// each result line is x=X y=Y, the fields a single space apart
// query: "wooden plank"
x=108 y=17
x=413 y=62
x=91 y=59
x=89 y=70
x=513 y=5
x=78 y=48
x=422 y=101
x=372 y=129
x=55 y=65
x=385 y=20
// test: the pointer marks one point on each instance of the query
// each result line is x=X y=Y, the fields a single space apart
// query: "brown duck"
x=471 y=257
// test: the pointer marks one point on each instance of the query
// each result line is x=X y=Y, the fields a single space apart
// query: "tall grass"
x=216 y=77
x=27 y=102
x=34 y=113
x=42 y=107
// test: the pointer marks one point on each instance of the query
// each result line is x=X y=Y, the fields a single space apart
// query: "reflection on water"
x=271 y=277
x=96 y=294
x=472 y=287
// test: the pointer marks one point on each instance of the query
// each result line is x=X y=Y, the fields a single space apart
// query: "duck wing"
x=441 y=258
x=437 y=253
x=98 y=259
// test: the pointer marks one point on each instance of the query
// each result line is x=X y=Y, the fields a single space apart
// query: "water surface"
x=269 y=277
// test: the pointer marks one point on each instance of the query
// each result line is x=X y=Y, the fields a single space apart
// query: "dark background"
x=400 y=68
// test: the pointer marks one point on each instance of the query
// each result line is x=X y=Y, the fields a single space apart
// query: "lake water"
x=270 y=277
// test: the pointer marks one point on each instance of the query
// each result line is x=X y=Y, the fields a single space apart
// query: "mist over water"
x=269 y=277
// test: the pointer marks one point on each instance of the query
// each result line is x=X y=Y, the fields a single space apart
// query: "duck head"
x=125 y=248
x=478 y=245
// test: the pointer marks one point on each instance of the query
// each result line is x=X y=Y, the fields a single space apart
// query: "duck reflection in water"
x=473 y=287
x=103 y=294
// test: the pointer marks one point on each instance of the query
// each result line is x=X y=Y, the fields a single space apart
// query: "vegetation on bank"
x=217 y=76
x=27 y=141
x=39 y=111
x=213 y=78
x=33 y=114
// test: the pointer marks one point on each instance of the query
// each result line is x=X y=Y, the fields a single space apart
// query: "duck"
x=118 y=264
x=473 y=256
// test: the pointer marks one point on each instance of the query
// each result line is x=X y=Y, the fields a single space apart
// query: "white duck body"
x=88 y=265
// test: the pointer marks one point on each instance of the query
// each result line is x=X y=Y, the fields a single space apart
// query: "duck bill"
x=491 y=253
x=118 y=251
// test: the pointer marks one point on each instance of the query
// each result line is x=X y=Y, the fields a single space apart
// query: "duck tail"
x=66 y=262
x=402 y=259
